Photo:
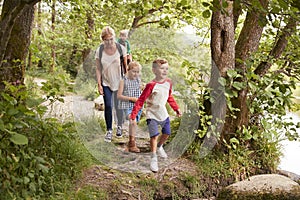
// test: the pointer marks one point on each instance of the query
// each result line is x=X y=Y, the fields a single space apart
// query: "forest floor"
x=178 y=178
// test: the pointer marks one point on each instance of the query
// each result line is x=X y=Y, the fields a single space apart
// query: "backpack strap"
x=101 y=48
x=123 y=68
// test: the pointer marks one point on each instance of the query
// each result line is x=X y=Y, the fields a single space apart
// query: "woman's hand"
x=100 y=89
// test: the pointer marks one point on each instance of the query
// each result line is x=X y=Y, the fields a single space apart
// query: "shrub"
x=37 y=156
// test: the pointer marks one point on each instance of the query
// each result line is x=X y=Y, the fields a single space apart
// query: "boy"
x=157 y=93
x=123 y=40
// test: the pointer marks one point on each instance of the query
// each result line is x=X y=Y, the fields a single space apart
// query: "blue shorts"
x=153 y=127
x=129 y=111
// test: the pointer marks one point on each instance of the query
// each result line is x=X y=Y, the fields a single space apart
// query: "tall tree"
x=15 y=25
x=223 y=55
x=226 y=55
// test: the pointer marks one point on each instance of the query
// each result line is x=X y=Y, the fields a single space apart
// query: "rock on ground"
x=262 y=187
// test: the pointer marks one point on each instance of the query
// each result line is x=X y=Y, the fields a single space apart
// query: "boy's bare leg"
x=160 y=150
x=153 y=144
x=163 y=139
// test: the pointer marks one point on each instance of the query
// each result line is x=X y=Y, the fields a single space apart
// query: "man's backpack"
x=123 y=68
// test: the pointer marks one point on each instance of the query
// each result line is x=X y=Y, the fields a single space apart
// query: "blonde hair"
x=106 y=32
x=134 y=64
x=124 y=33
x=159 y=62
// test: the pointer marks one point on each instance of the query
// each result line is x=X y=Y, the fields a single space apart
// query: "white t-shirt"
x=156 y=95
x=111 y=70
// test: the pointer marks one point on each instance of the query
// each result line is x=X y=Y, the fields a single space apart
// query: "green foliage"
x=196 y=73
x=78 y=26
x=86 y=193
x=270 y=105
x=148 y=182
x=149 y=44
x=254 y=148
x=58 y=84
x=85 y=86
x=193 y=183
x=38 y=156
x=52 y=85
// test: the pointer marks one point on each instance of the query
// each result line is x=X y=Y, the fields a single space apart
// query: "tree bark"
x=17 y=18
x=247 y=44
x=88 y=65
x=11 y=9
x=278 y=48
x=39 y=27
x=53 y=47
x=237 y=11
x=223 y=56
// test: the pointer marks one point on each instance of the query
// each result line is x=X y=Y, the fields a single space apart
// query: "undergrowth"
x=39 y=157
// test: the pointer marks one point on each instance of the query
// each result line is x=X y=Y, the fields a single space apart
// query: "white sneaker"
x=119 y=131
x=108 y=136
x=161 y=152
x=154 y=164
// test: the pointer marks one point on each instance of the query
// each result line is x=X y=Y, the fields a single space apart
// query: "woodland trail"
x=115 y=154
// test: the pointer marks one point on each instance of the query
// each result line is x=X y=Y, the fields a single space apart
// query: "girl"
x=128 y=93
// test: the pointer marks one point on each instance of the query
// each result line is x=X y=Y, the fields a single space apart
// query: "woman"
x=109 y=74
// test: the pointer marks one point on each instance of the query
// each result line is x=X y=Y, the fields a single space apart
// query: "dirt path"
x=115 y=175
x=114 y=155
x=167 y=183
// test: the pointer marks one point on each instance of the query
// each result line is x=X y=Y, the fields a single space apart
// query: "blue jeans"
x=110 y=100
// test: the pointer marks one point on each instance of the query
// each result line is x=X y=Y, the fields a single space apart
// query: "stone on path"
x=262 y=187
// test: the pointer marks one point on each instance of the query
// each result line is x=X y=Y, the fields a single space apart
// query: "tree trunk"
x=88 y=67
x=39 y=27
x=16 y=21
x=247 y=43
x=223 y=56
x=10 y=11
x=53 y=53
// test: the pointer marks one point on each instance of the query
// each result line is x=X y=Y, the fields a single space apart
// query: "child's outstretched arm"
x=141 y=100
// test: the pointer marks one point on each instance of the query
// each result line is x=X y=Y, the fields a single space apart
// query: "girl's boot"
x=132 y=146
